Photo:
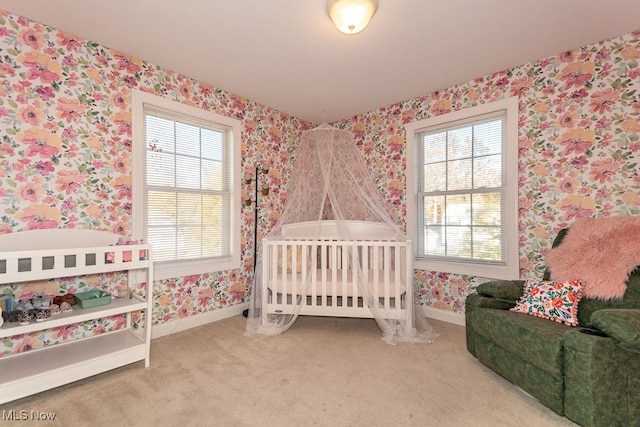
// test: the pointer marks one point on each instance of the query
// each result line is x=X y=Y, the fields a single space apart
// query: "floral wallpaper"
x=65 y=152
x=579 y=147
x=65 y=159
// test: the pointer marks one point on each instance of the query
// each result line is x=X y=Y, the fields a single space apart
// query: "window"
x=462 y=183
x=186 y=176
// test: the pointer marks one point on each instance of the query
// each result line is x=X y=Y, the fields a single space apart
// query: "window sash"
x=207 y=227
x=187 y=215
x=456 y=219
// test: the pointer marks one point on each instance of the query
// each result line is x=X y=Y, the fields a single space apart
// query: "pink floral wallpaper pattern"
x=579 y=147
x=65 y=151
x=65 y=158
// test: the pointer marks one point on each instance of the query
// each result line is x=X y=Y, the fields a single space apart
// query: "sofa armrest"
x=508 y=291
x=623 y=325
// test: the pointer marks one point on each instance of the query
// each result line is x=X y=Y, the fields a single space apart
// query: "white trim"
x=138 y=100
x=180 y=325
x=444 y=316
x=186 y=323
x=187 y=268
x=512 y=269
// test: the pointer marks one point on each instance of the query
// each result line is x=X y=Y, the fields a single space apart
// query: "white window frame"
x=511 y=268
x=141 y=100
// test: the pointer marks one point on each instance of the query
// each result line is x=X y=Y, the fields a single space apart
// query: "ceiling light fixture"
x=351 y=16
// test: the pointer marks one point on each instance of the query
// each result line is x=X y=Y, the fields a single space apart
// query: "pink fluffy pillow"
x=600 y=252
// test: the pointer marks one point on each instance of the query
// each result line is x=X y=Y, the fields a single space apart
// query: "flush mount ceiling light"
x=351 y=16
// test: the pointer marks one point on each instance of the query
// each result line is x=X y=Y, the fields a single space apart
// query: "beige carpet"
x=322 y=372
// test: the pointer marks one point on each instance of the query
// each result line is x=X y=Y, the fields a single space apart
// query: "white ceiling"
x=287 y=55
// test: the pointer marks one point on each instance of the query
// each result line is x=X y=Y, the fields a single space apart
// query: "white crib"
x=368 y=275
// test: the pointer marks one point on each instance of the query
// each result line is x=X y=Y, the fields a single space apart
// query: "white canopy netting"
x=330 y=181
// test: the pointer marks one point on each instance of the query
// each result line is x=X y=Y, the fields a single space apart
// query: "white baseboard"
x=185 y=323
x=445 y=316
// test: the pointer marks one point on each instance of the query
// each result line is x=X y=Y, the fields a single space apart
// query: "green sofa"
x=589 y=373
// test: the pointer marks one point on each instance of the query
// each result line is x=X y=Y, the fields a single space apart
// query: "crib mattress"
x=343 y=286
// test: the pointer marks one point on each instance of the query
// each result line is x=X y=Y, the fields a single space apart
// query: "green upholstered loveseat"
x=589 y=373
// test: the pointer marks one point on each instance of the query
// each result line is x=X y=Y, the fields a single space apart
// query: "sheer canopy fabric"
x=330 y=181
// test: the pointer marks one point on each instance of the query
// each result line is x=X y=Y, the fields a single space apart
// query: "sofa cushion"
x=600 y=381
x=502 y=290
x=533 y=339
x=551 y=300
x=631 y=299
x=548 y=388
x=621 y=325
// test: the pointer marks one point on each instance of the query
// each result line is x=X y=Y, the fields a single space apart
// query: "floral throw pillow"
x=551 y=300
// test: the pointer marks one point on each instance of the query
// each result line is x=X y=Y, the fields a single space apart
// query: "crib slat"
x=385 y=272
x=265 y=264
x=273 y=257
x=376 y=272
x=396 y=271
x=345 y=270
x=313 y=267
x=303 y=278
x=323 y=269
x=294 y=271
x=354 y=276
x=365 y=270
x=282 y=266
x=334 y=273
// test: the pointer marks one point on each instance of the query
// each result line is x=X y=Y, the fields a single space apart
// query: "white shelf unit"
x=56 y=253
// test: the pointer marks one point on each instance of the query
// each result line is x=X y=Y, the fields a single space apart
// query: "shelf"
x=76 y=315
x=53 y=253
x=37 y=370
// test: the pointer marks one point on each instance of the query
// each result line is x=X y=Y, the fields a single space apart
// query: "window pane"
x=459 y=143
x=435 y=147
x=434 y=208
x=211 y=175
x=459 y=175
x=487 y=172
x=163 y=242
x=487 y=243
x=458 y=241
x=435 y=244
x=189 y=242
x=459 y=210
x=160 y=169
x=213 y=207
x=487 y=209
x=189 y=209
x=487 y=138
x=435 y=177
x=212 y=144
x=187 y=172
x=160 y=133
x=161 y=208
x=187 y=139
x=212 y=241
